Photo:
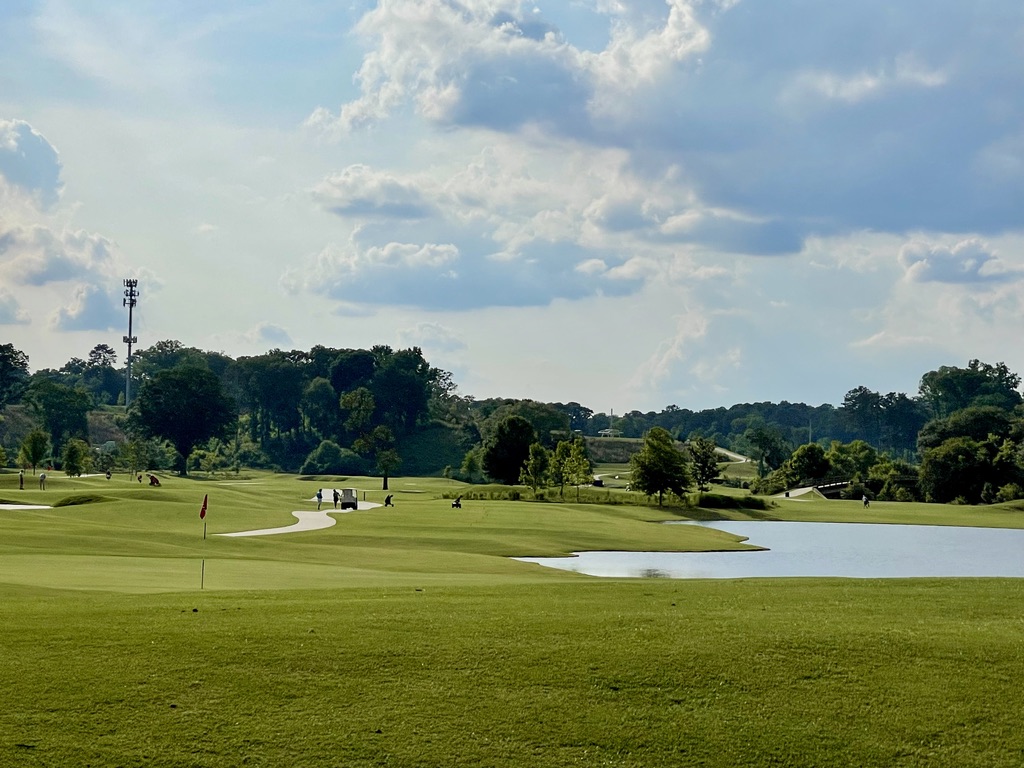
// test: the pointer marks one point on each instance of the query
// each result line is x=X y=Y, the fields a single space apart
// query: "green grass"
x=406 y=637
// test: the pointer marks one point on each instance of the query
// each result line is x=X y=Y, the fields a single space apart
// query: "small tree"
x=34 y=449
x=556 y=470
x=470 y=469
x=659 y=466
x=535 y=470
x=75 y=458
x=388 y=461
x=705 y=461
x=576 y=469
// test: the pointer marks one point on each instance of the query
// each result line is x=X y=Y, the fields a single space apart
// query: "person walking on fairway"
x=42 y=481
x=21 y=480
x=319 y=497
x=337 y=498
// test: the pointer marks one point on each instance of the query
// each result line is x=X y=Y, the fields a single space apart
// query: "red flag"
x=202 y=512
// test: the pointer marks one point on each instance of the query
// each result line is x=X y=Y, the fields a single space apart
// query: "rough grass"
x=406 y=637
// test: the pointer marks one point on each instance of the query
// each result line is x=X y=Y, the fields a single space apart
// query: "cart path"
x=307 y=520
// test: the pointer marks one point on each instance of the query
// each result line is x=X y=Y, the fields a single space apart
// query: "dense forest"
x=385 y=411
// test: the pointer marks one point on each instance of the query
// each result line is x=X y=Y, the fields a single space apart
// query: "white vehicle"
x=349 y=498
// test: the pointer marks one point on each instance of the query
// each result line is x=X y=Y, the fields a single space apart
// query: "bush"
x=769 y=485
x=329 y=458
x=1010 y=492
x=721 y=501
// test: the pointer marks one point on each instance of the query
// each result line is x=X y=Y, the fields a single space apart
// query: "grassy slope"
x=404 y=637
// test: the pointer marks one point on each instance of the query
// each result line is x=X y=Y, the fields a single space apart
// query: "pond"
x=853 y=550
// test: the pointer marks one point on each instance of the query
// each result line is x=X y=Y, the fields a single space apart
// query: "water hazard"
x=852 y=550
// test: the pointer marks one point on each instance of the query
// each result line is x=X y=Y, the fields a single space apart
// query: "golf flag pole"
x=202 y=516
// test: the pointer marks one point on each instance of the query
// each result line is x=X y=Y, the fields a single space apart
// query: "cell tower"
x=131 y=298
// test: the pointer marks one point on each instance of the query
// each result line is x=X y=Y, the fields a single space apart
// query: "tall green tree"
x=378 y=446
x=186 y=406
x=64 y=410
x=809 y=462
x=659 y=467
x=959 y=468
x=508 y=449
x=951 y=389
x=13 y=374
x=320 y=408
x=850 y=460
x=862 y=410
x=704 y=460
x=34 y=449
x=976 y=423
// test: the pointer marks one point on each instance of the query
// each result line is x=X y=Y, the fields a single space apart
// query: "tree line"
x=382 y=411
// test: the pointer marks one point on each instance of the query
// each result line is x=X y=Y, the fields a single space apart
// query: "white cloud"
x=90 y=309
x=30 y=162
x=431 y=337
x=10 y=312
x=967 y=261
x=268 y=333
x=37 y=255
x=359 y=191
x=905 y=72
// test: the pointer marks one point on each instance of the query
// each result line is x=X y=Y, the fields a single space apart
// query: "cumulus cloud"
x=271 y=334
x=441 y=276
x=786 y=124
x=431 y=337
x=10 y=311
x=359 y=191
x=90 y=309
x=968 y=261
x=37 y=255
x=29 y=162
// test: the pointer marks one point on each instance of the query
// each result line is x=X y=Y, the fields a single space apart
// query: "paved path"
x=308 y=520
x=23 y=506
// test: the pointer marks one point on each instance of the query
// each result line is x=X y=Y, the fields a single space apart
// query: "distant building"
x=609 y=433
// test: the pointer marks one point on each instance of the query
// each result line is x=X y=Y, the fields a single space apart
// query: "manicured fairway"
x=405 y=637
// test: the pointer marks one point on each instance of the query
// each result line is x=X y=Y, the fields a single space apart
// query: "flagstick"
x=204 y=530
x=202 y=577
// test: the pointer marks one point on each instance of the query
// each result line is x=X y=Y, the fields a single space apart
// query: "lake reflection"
x=853 y=550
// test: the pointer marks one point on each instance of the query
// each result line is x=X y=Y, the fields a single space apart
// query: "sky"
x=624 y=204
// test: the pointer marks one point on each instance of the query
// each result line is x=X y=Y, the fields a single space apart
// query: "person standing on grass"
x=21 y=480
x=319 y=497
x=42 y=481
x=337 y=498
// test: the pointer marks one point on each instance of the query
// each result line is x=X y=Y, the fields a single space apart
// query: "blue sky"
x=629 y=205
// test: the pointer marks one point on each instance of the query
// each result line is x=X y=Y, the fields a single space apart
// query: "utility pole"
x=131 y=297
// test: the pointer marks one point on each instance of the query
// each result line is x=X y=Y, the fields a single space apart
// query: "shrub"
x=721 y=501
x=1010 y=492
x=329 y=458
